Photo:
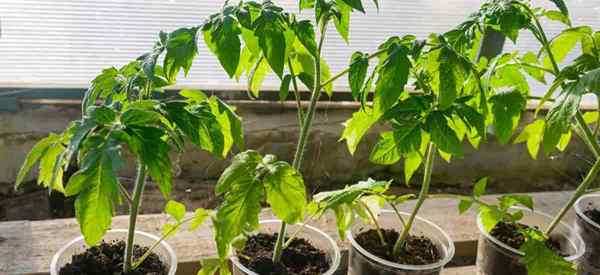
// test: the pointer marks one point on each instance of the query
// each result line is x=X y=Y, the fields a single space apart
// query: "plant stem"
x=376 y=223
x=398 y=215
x=296 y=93
x=304 y=131
x=138 y=189
x=347 y=70
x=588 y=136
x=581 y=190
x=422 y=196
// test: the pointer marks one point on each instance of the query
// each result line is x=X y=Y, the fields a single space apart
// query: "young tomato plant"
x=539 y=257
x=122 y=112
x=573 y=80
x=256 y=39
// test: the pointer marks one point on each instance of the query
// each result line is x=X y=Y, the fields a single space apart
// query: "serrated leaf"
x=224 y=41
x=140 y=117
x=392 y=145
x=181 y=49
x=196 y=96
x=533 y=135
x=175 y=209
x=342 y=19
x=393 y=75
x=448 y=75
x=564 y=43
x=537 y=74
x=541 y=260
x=442 y=135
x=306 y=35
x=272 y=41
x=286 y=193
x=506 y=112
x=36 y=153
x=102 y=114
x=359 y=64
x=356 y=127
x=508 y=201
x=558 y=119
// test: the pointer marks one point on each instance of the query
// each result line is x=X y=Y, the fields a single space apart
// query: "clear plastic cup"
x=362 y=262
x=78 y=246
x=590 y=233
x=495 y=257
x=315 y=236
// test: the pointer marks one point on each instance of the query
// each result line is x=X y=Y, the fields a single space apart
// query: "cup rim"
x=578 y=252
x=164 y=244
x=336 y=250
x=579 y=210
x=439 y=264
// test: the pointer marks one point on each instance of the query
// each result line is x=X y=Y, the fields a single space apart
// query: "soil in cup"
x=418 y=250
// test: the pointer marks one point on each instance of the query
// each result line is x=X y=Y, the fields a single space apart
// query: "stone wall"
x=274 y=130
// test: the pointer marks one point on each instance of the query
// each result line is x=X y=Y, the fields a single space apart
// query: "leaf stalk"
x=133 y=213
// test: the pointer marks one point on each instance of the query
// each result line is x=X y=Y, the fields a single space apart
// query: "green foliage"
x=393 y=75
x=242 y=186
x=506 y=109
x=558 y=119
x=359 y=64
x=532 y=134
x=357 y=126
x=540 y=259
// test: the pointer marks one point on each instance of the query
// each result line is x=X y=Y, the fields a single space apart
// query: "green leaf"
x=355 y=4
x=97 y=186
x=231 y=124
x=480 y=187
x=257 y=76
x=223 y=40
x=140 y=117
x=537 y=74
x=333 y=200
x=393 y=76
x=199 y=125
x=490 y=217
x=472 y=118
x=532 y=134
x=540 y=260
x=342 y=19
x=392 y=145
x=560 y=4
x=272 y=41
x=176 y=210
x=508 y=201
x=557 y=16
x=200 y=215
x=105 y=83
x=36 y=153
x=102 y=114
x=359 y=64
x=412 y=162
x=442 y=135
x=558 y=119
x=196 y=96
x=242 y=195
x=464 y=206
x=356 y=127
x=181 y=50
x=448 y=75
x=509 y=77
x=591 y=81
x=590 y=117
x=306 y=35
x=286 y=193
x=284 y=89
x=506 y=112
x=210 y=266
x=51 y=171
x=148 y=144
x=564 y=141
x=564 y=43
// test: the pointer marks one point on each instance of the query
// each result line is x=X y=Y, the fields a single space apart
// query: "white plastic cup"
x=315 y=236
x=362 y=262
x=78 y=246
x=495 y=257
x=590 y=233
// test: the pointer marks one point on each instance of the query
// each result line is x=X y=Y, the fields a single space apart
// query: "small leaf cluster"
x=122 y=113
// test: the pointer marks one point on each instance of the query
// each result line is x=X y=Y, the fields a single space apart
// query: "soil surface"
x=418 y=250
x=107 y=258
x=509 y=234
x=593 y=213
x=299 y=258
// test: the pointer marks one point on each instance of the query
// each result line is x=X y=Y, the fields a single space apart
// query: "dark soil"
x=418 y=250
x=593 y=213
x=509 y=234
x=299 y=258
x=107 y=259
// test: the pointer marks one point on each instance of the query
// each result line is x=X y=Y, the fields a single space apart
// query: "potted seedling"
x=273 y=41
x=373 y=235
x=573 y=80
x=512 y=240
x=124 y=112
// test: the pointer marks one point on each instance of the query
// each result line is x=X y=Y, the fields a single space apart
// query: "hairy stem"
x=422 y=196
x=580 y=191
x=304 y=131
x=296 y=93
x=138 y=189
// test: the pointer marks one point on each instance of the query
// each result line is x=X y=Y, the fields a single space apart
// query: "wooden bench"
x=26 y=247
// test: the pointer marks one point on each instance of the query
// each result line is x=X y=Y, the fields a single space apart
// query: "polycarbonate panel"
x=65 y=43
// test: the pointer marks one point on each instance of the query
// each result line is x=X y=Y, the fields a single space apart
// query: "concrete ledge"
x=27 y=247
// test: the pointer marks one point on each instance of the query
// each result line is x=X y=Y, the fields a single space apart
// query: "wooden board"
x=27 y=247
